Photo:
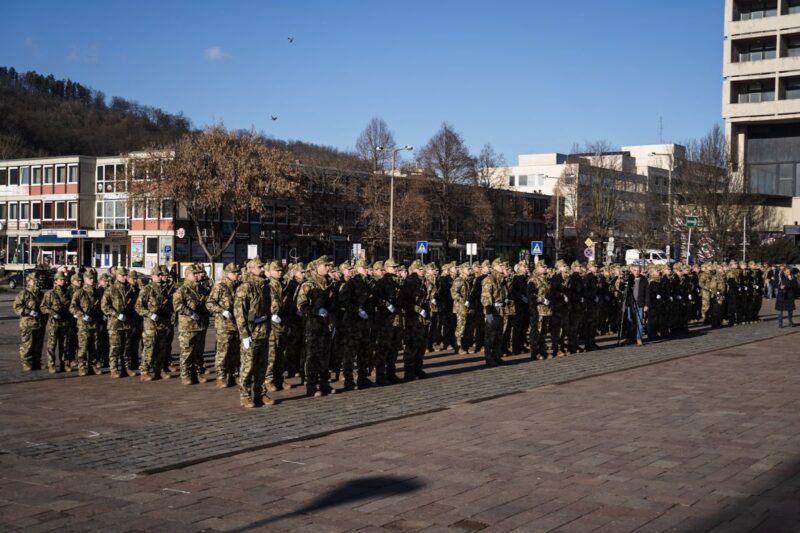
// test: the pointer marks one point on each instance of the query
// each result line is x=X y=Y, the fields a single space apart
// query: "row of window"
x=759 y=9
x=744 y=51
x=536 y=180
x=38 y=175
x=782 y=179
x=38 y=211
x=753 y=92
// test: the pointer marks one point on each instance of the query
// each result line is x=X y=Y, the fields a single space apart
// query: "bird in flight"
x=273 y=117
x=291 y=39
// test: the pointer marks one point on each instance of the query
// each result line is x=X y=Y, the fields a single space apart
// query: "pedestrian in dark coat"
x=787 y=292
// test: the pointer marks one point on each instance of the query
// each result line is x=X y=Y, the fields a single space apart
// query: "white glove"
x=525 y=299
x=121 y=317
x=489 y=319
x=227 y=314
x=276 y=319
x=466 y=304
x=423 y=313
x=566 y=299
x=658 y=296
x=34 y=314
x=246 y=342
x=260 y=320
x=154 y=317
x=546 y=302
x=323 y=313
x=390 y=307
x=333 y=332
x=498 y=305
x=195 y=317
x=87 y=318
x=596 y=299
x=56 y=316
x=690 y=297
x=363 y=314
x=433 y=301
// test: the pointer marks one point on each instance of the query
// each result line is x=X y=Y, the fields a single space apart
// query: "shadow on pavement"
x=346 y=493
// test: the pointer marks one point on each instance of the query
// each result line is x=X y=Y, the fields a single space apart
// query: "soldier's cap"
x=59 y=275
x=164 y=270
x=591 y=263
x=345 y=266
x=105 y=276
x=31 y=276
x=74 y=278
x=133 y=274
x=485 y=263
x=497 y=262
x=465 y=265
x=275 y=265
x=255 y=262
x=361 y=263
x=560 y=263
x=90 y=273
x=231 y=267
x=389 y=263
x=575 y=264
x=324 y=260
x=377 y=265
x=523 y=264
x=402 y=268
x=416 y=263
x=122 y=271
x=155 y=271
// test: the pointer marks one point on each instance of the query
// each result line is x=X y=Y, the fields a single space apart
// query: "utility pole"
x=391 y=195
x=744 y=239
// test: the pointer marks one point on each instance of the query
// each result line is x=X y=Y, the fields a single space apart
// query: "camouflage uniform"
x=559 y=297
x=540 y=305
x=353 y=303
x=190 y=305
x=220 y=303
x=414 y=302
x=444 y=301
x=521 y=322
x=85 y=307
x=388 y=325
x=252 y=311
x=155 y=308
x=313 y=301
x=117 y=304
x=293 y=324
x=27 y=306
x=459 y=294
x=577 y=304
x=494 y=294
x=276 y=355
x=56 y=304
x=168 y=289
x=137 y=324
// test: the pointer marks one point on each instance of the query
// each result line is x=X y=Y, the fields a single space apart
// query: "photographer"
x=636 y=304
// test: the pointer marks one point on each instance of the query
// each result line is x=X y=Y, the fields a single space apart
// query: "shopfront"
x=54 y=251
x=110 y=248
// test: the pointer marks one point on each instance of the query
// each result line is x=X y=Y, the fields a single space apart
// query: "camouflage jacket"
x=26 y=301
x=353 y=296
x=313 y=296
x=118 y=300
x=154 y=300
x=221 y=299
x=56 y=302
x=459 y=293
x=387 y=292
x=414 y=298
x=251 y=308
x=494 y=294
x=86 y=302
x=190 y=298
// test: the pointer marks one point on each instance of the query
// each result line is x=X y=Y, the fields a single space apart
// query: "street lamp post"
x=391 y=193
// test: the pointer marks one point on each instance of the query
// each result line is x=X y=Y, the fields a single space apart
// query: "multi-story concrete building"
x=761 y=98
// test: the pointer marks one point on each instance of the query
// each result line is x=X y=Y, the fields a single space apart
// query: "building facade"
x=761 y=98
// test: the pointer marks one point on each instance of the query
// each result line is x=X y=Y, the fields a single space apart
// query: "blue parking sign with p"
x=537 y=248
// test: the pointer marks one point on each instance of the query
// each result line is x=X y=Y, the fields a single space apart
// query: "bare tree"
x=490 y=168
x=377 y=133
x=212 y=175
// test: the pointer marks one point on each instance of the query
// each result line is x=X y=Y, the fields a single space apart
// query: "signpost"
x=252 y=251
x=472 y=250
x=588 y=242
x=691 y=223
x=422 y=249
x=537 y=248
x=356 y=250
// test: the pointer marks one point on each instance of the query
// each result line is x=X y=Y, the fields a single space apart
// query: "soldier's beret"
x=231 y=267
x=75 y=277
x=377 y=265
x=465 y=265
x=389 y=263
x=59 y=275
x=122 y=271
x=560 y=263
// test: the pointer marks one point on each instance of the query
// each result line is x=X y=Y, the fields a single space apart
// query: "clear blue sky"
x=527 y=76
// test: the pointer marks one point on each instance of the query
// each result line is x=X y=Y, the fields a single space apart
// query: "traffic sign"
x=422 y=247
x=589 y=253
x=181 y=233
x=537 y=247
x=472 y=248
x=691 y=222
x=588 y=242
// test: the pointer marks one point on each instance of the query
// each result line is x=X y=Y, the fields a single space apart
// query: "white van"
x=646 y=257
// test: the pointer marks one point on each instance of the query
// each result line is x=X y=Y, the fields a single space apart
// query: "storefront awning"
x=51 y=241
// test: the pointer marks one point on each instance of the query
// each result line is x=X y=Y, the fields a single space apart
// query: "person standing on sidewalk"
x=27 y=306
x=636 y=303
x=787 y=292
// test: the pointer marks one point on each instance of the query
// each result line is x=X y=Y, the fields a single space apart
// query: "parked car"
x=45 y=276
x=646 y=257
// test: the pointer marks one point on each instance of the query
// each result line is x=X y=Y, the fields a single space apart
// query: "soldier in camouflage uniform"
x=72 y=341
x=444 y=300
x=55 y=305
x=156 y=311
x=252 y=311
x=353 y=303
x=430 y=279
x=276 y=354
x=137 y=324
x=388 y=322
x=478 y=320
x=519 y=321
x=293 y=323
x=415 y=306
x=460 y=295
x=118 y=304
x=193 y=318
x=559 y=297
x=85 y=307
x=313 y=301
x=540 y=310
x=168 y=289
x=494 y=295
x=220 y=304
x=27 y=306
x=104 y=281
x=577 y=304
x=593 y=301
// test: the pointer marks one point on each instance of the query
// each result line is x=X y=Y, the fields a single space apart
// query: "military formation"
x=324 y=324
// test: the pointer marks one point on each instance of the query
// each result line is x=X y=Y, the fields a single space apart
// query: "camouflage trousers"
x=252 y=369
x=591 y=318
x=276 y=355
x=57 y=340
x=88 y=348
x=316 y=353
x=388 y=345
x=226 y=358
x=355 y=349
x=575 y=328
x=166 y=356
x=493 y=338
x=478 y=328
x=153 y=351
x=192 y=344
x=540 y=326
x=118 y=349
x=30 y=347
x=463 y=341
x=414 y=340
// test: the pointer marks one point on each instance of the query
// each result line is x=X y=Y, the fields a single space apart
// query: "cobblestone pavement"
x=703 y=443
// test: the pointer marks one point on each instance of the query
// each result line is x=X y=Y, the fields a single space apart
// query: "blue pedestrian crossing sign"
x=537 y=247
x=422 y=247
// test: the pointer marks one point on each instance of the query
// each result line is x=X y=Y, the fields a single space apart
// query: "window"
x=757 y=9
x=755 y=92
x=100 y=173
x=522 y=181
x=72 y=210
x=756 y=51
x=152 y=209
x=48 y=211
x=13 y=176
x=3 y=212
x=762 y=178
x=138 y=209
x=36 y=176
x=3 y=176
x=61 y=172
x=48 y=175
x=152 y=245
x=36 y=210
x=72 y=174
x=167 y=209
x=792 y=91
x=111 y=214
x=24 y=211
x=61 y=210
x=25 y=176
x=511 y=181
x=793 y=7
x=12 y=211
